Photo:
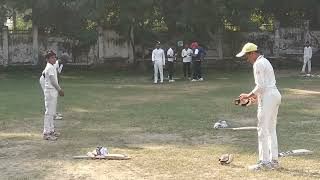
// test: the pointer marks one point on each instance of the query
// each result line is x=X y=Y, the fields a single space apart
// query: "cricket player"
x=171 y=58
x=158 y=59
x=196 y=61
x=307 y=55
x=269 y=100
x=58 y=67
x=51 y=91
x=186 y=55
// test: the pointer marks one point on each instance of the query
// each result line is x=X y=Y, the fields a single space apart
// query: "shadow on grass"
x=299 y=172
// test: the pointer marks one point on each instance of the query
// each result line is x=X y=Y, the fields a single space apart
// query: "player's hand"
x=61 y=93
x=244 y=96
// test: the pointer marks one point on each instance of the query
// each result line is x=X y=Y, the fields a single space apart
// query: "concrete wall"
x=115 y=46
x=20 y=49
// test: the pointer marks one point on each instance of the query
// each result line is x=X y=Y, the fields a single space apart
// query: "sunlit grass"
x=166 y=129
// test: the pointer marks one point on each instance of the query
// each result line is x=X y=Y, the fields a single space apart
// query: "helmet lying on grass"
x=225 y=159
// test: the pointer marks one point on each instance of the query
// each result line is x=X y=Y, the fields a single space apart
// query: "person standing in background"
x=186 y=55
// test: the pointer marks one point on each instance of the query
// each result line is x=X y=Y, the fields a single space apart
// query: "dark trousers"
x=170 y=69
x=197 y=73
x=186 y=69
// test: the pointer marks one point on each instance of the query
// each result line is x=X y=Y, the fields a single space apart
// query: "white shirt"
x=186 y=55
x=263 y=75
x=307 y=52
x=158 y=56
x=49 y=71
x=170 y=55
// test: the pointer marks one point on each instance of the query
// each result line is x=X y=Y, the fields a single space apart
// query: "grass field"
x=167 y=129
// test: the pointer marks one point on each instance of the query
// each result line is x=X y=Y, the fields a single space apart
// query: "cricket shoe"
x=55 y=134
x=194 y=80
x=49 y=137
x=261 y=166
x=58 y=118
x=171 y=80
x=200 y=79
x=59 y=114
x=275 y=164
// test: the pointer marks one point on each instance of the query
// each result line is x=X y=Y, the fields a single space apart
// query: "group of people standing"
x=192 y=55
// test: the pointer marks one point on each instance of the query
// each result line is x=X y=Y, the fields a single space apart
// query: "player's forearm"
x=55 y=83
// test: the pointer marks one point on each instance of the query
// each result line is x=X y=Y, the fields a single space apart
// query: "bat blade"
x=296 y=152
x=108 y=157
x=241 y=128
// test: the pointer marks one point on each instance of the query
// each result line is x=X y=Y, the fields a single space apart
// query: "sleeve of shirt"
x=182 y=53
x=305 y=51
x=163 y=58
x=153 y=54
x=258 y=78
x=170 y=53
x=51 y=72
x=60 y=68
x=54 y=83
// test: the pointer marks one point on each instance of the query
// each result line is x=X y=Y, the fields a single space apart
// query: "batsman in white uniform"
x=307 y=55
x=269 y=100
x=159 y=60
x=51 y=91
x=58 y=67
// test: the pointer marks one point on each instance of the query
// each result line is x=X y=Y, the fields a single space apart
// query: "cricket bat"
x=296 y=152
x=241 y=128
x=107 y=157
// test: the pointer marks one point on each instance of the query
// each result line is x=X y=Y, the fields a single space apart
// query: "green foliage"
x=145 y=21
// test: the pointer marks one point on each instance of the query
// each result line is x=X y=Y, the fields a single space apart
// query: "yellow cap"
x=249 y=47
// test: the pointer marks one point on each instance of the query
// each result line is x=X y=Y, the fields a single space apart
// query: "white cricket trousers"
x=269 y=102
x=50 y=101
x=306 y=60
x=158 y=66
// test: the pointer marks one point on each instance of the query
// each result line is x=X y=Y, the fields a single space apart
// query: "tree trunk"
x=14 y=20
x=132 y=43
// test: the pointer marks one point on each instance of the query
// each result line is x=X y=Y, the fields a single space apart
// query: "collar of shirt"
x=48 y=64
x=258 y=58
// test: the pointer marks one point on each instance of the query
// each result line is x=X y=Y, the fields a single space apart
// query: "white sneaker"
x=275 y=164
x=260 y=166
x=55 y=134
x=201 y=79
x=58 y=118
x=171 y=80
x=49 y=137
x=59 y=114
x=194 y=80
